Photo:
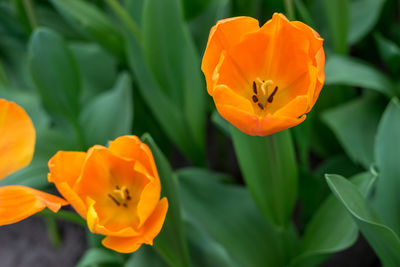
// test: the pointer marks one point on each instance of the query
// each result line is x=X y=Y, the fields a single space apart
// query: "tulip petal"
x=65 y=169
x=151 y=229
x=224 y=35
x=17 y=138
x=19 y=202
x=287 y=58
x=97 y=227
x=130 y=147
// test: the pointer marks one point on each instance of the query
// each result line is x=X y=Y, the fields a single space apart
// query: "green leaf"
x=364 y=15
x=353 y=72
x=171 y=242
x=96 y=256
x=387 y=154
x=355 y=125
x=175 y=63
x=331 y=229
x=34 y=175
x=382 y=239
x=110 y=114
x=168 y=115
x=337 y=16
x=92 y=22
x=98 y=69
x=201 y=25
x=389 y=51
x=268 y=166
x=231 y=218
x=206 y=251
x=145 y=257
x=55 y=73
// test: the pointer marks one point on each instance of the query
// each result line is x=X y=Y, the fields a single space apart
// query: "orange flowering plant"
x=263 y=79
x=116 y=189
x=17 y=143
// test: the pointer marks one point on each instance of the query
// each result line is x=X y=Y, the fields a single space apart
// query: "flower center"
x=262 y=95
x=120 y=196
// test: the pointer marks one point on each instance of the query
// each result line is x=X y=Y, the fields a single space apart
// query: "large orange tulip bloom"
x=17 y=143
x=116 y=189
x=263 y=80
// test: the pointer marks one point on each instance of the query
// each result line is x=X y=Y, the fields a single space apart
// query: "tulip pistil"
x=261 y=96
x=120 y=195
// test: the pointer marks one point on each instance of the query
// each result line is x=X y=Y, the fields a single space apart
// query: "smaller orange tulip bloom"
x=116 y=189
x=17 y=143
x=263 y=80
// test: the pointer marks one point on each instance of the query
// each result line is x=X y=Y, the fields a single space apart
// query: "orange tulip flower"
x=116 y=189
x=263 y=80
x=17 y=143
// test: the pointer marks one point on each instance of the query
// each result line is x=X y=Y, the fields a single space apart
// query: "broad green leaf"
x=363 y=16
x=171 y=242
x=98 y=256
x=305 y=15
x=110 y=114
x=201 y=25
x=382 y=239
x=168 y=115
x=389 y=51
x=331 y=229
x=98 y=69
x=355 y=125
x=204 y=250
x=268 y=166
x=230 y=217
x=92 y=22
x=175 y=64
x=146 y=256
x=55 y=73
x=337 y=15
x=387 y=155
x=353 y=72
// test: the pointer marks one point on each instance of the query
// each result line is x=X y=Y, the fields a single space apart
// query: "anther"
x=271 y=97
x=254 y=87
x=125 y=205
x=113 y=199
x=128 y=197
x=117 y=187
x=255 y=99
x=260 y=106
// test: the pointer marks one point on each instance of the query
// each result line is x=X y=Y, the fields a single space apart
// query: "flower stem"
x=63 y=215
x=290 y=9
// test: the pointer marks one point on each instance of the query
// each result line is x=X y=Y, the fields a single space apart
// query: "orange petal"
x=95 y=226
x=151 y=229
x=65 y=169
x=130 y=147
x=253 y=125
x=19 y=202
x=288 y=57
x=17 y=138
x=224 y=35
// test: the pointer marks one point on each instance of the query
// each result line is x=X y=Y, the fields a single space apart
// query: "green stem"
x=125 y=18
x=30 y=13
x=63 y=215
x=52 y=230
x=290 y=9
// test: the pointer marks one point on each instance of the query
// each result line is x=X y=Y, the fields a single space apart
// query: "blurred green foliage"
x=88 y=71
